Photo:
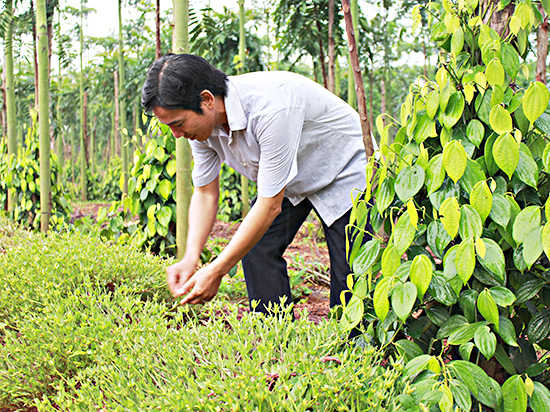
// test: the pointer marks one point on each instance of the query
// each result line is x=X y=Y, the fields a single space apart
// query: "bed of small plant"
x=87 y=325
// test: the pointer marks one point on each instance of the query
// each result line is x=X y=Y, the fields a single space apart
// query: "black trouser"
x=265 y=268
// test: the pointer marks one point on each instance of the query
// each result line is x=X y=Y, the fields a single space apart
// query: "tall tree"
x=44 y=118
x=10 y=91
x=354 y=10
x=122 y=102
x=83 y=185
x=242 y=57
x=331 y=48
x=157 y=31
x=542 y=47
x=180 y=44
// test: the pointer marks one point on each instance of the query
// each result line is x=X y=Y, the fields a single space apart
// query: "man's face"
x=187 y=123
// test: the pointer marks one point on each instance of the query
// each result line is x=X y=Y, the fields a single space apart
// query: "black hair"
x=175 y=81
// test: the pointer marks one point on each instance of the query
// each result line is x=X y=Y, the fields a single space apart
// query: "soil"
x=308 y=245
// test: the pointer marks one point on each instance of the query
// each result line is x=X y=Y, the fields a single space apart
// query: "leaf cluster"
x=462 y=194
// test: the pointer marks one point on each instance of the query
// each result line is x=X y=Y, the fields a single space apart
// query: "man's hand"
x=202 y=286
x=178 y=274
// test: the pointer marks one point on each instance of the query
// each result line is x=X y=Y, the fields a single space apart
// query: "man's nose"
x=176 y=132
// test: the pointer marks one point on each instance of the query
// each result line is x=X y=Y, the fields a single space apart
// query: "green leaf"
x=451 y=325
x=385 y=194
x=461 y=395
x=432 y=103
x=164 y=215
x=164 y=189
x=171 y=167
x=528 y=170
x=510 y=59
x=504 y=359
x=503 y=297
x=495 y=73
x=539 y=326
x=472 y=175
x=403 y=234
x=546 y=239
x=438 y=238
x=409 y=181
x=526 y=221
x=403 y=298
x=532 y=246
x=457 y=41
x=470 y=224
x=507 y=331
x=453 y=111
x=485 y=389
x=540 y=399
x=416 y=365
x=465 y=260
x=529 y=289
x=506 y=153
x=390 y=261
x=159 y=154
x=450 y=210
x=465 y=350
x=421 y=273
x=435 y=173
x=485 y=341
x=408 y=349
x=501 y=210
x=475 y=132
x=481 y=199
x=366 y=257
x=535 y=101
x=464 y=333
x=380 y=299
x=515 y=397
x=500 y=120
x=467 y=300
x=441 y=290
x=487 y=307
x=425 y=128
x=454 y=159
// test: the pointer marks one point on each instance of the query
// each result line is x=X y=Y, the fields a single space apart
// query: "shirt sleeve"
x=278 y=135
x=207 y=164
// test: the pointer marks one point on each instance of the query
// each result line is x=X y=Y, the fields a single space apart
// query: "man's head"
x=176 y=81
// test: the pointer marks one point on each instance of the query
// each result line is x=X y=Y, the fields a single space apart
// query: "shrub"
x=87 y=326
x=22 y=177
x=462 y=192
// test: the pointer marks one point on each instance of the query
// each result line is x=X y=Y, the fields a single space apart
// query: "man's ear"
x=207 y=99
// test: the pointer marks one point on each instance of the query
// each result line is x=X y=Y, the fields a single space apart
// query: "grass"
x=87 y=325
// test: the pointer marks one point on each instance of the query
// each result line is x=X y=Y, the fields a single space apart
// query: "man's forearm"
x=253 y=227
x=202 y=214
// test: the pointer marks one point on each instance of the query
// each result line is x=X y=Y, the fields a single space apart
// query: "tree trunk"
x=245 y=201
x=157 y=24
x=383 y=98
x=93 y=144
x=331 y=48
x=83 y=188
x=180 y=44
x=321 y=52
x=352 y=98
x=122 y=98
x=117 y=119
x=498 y=18
x=35 y=59
x=358 y=78
x=542 y=49
x=44 y=118
x=73 y=155
x=10 y=90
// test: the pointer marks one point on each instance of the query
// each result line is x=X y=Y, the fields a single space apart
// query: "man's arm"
x=202 y=214
x=204 y=284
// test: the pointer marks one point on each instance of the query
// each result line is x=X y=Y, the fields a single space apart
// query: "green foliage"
x=106 y=188
x=230 y=203
x=84 y=323
x=462 y=193
x=21 y=175
x=151 y=197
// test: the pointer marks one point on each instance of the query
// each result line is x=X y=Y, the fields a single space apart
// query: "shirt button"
x=244 y=164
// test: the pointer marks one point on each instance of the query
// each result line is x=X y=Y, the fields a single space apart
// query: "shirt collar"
x=233 y=109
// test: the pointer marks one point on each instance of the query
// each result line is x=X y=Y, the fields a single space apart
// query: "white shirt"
x=287 y=131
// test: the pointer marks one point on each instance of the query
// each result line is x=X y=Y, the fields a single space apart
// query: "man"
x=298 y=141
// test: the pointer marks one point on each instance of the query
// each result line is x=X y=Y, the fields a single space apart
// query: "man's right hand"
x=178 y=274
